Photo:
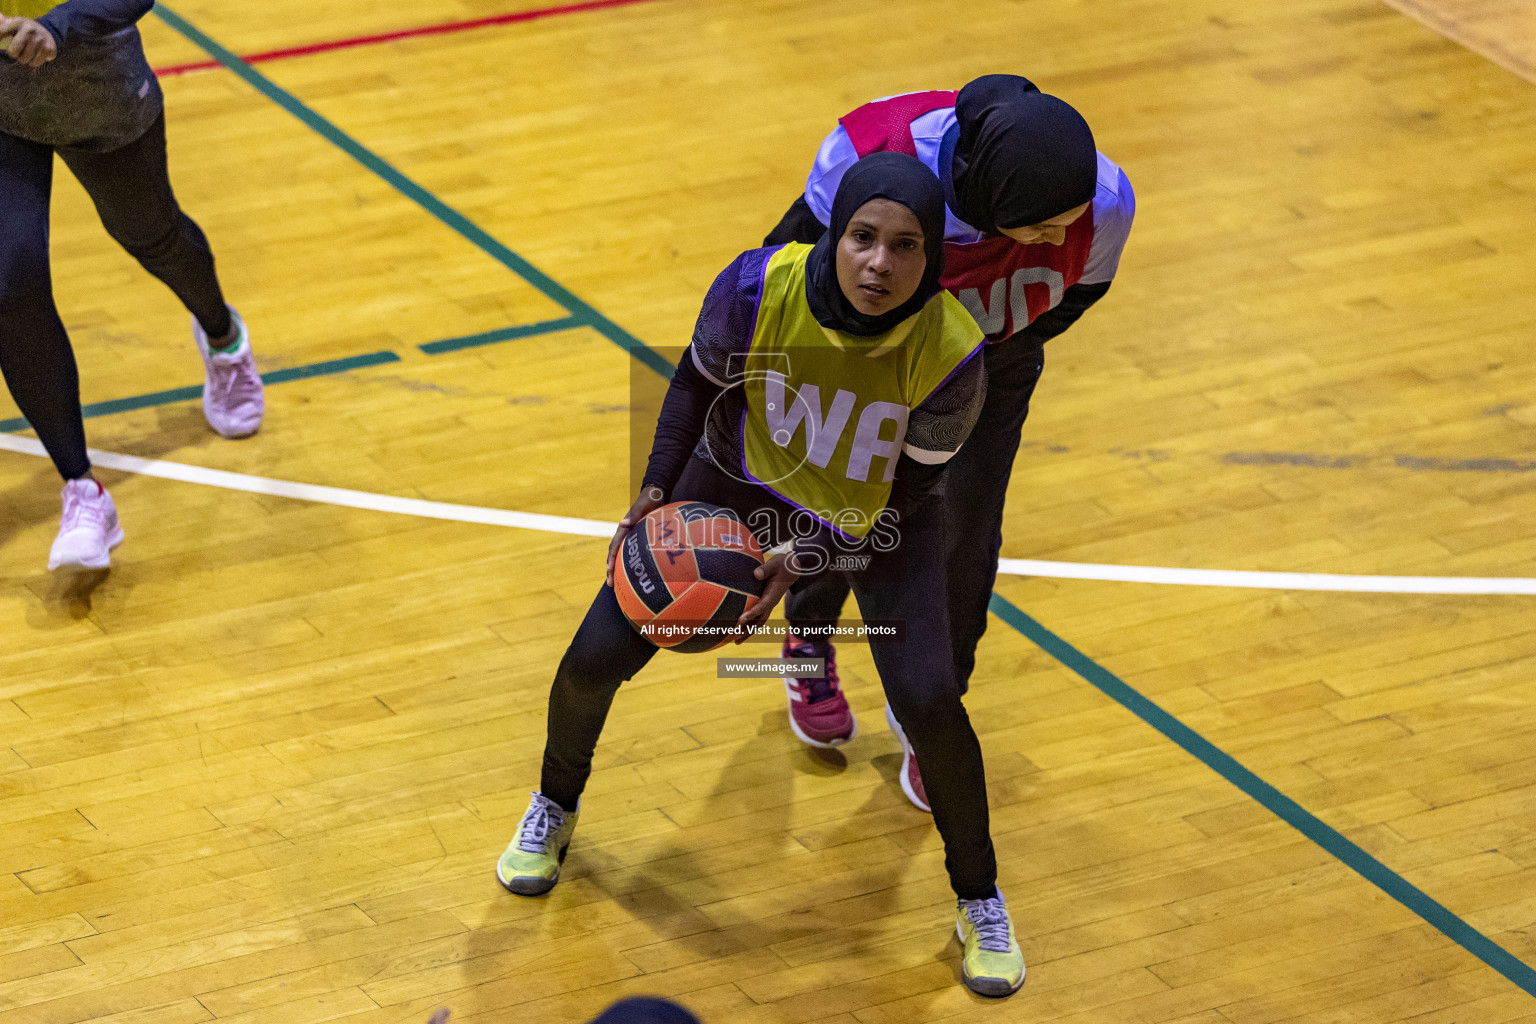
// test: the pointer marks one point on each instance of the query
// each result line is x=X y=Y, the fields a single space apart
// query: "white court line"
x=598 y=528
x=1270 y=580
x=326 y=495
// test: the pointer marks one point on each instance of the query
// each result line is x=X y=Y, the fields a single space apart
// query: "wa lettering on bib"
x=826 y=413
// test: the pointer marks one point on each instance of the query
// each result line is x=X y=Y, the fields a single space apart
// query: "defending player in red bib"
x=1035 y=222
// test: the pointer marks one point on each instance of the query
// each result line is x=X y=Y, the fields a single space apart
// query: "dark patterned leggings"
x=132 y=192
x=917 y=673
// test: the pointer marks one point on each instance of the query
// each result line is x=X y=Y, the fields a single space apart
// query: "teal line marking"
x=435 y=348
x=1368 y=867
x=188 y=394
x=325 y=368
x=142 y=401
x=580 y=310
x=331 y=366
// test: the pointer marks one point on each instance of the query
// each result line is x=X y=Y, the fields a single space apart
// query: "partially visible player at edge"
x=1035 y=225
x=74 y=81
x=859 y=315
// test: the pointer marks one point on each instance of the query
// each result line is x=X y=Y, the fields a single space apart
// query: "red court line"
x=408 y=33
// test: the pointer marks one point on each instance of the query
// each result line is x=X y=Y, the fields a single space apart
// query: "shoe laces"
x=544 y=817
x=990 y=917
x=81 y=510
x=234 y=381
x=817 y=690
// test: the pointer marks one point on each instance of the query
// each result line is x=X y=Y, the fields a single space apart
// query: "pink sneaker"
x=818 y=711
x=911 y=780
x=88 y=529
x=233 y=399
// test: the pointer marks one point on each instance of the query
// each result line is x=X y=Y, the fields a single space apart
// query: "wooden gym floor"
x=261 y=770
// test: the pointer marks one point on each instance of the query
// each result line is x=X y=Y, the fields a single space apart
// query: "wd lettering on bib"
x=825 y=428
x=1005 y=285
x=993 y=316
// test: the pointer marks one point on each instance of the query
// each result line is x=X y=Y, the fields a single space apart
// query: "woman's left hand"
x=780 y=577
x=30 y=43
x=651 y=498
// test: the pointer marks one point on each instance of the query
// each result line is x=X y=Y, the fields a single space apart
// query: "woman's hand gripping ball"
x=779 y=572
x=651 y=498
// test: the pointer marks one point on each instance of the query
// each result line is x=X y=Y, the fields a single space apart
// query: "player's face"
x=880 y=259
x=1051 y=232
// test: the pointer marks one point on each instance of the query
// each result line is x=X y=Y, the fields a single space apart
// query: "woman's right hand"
x=30 y=43
x=651 y=498
x=779 y=574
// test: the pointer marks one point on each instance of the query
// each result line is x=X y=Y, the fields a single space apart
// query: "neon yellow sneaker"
x=993 y=964
x=531 y=864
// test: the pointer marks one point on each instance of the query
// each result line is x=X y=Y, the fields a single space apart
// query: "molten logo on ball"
x=689 y=600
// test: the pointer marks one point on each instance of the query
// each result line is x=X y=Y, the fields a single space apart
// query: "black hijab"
x=1022 y=156
x=901 y=179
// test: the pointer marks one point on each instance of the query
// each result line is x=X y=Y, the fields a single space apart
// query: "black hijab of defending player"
x=901 y=179
x=1022 y=156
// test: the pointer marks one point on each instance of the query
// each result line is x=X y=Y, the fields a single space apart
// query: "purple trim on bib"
x=951 y=375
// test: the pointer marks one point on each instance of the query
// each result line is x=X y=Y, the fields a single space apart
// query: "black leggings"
x=917 y=674
x=974 y=488
x=132 y=192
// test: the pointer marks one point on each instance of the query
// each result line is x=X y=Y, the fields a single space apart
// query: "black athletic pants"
x=974 y=487
x=131 y=188
x=918 y=675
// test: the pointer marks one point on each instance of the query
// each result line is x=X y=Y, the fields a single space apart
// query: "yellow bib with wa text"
x=826 y=412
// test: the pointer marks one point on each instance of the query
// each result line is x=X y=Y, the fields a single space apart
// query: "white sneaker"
x=233 y=398
x=88 y=530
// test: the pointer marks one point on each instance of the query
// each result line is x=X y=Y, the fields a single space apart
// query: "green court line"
x=437 y=348
x=433 y=348
x=187 y=394
x=1288 y=810
x=580 y=311
x=1367 y=866
x=327 y=367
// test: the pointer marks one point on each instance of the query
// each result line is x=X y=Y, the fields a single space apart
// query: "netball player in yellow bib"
x=824 y=391
x=74 y=81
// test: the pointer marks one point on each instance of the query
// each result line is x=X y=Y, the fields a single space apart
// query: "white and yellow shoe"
x=531 y=864
x=993 y=964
